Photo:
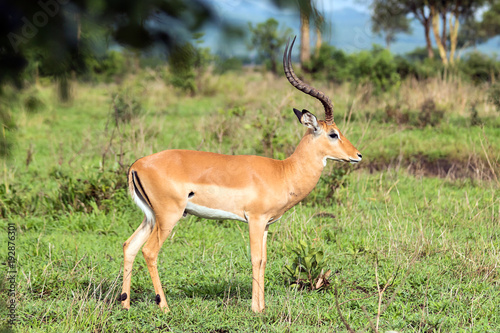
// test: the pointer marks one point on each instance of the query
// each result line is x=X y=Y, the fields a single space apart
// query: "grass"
x=431 y=241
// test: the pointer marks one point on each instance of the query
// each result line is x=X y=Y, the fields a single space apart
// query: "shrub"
x=419 y=54
x=494 y=95
x=479 y=67
x=307 y=270
x=126 y=107
x=429 y=114
x=404 y=67
x=224 y=65
x=7 y=128
x=376 y=66
x=429 y=68
x=94 y=192
x=474 y=115
x=181 y=65
x=87 y=194
x=331 y=64
x=113 y=64
x=186 y=64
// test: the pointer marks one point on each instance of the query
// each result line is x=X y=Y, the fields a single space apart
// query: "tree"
x=305 y=40
x=268 y=41
x=455 y=11
x=490 y=23
x=475 y=31
x=385 y=21
x=429 y=13
x=309 y=12
x=419 y=10
x=388 y=12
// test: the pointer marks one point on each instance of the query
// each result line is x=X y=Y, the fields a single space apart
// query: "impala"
x=253 y=189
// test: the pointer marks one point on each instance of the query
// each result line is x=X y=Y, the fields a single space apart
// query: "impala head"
x=326 y=134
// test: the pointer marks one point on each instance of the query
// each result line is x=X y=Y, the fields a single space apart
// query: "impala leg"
x=263 y=269
x=258 y=235
x=164 y=225
x=130 y=249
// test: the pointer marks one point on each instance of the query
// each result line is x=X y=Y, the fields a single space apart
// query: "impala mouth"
x=353 y=161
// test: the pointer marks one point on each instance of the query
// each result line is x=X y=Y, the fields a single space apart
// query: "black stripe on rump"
x=138 y=186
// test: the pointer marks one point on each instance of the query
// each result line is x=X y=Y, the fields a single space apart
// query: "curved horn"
x=307 y=89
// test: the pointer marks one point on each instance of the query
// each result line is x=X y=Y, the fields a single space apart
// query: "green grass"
x=435 y=239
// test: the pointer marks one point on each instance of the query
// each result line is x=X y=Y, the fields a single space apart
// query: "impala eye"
x=333 y=135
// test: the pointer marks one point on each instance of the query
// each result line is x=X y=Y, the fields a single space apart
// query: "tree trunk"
x=443 y=32
x=427 y=29
x=274 y=66
x=435 y=29
x=453 y=37
x=388 y=39
x=319 y=41
x=305 y=48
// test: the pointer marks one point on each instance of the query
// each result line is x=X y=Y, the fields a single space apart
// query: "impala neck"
x=303 y=168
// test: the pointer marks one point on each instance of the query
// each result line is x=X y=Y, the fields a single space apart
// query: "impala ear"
x=306 y=118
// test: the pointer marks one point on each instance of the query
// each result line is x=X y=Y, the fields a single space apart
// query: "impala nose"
x=360 y=156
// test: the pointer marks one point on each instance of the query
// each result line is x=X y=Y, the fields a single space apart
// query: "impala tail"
x=140 y=197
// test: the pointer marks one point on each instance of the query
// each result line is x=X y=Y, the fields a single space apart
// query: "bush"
x=376 y=66
x=494 y=95
x=7 y=128
x=224 y=65
x=186 y=64
x=98 y=191
x=308 y=268
x=479 y=67
x=126 y=107
x=429 y=114
x=331 y=64
x=107 y=68
x=420 y=54
x=404 y=67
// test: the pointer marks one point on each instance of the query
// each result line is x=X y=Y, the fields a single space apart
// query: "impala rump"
x=140 y=197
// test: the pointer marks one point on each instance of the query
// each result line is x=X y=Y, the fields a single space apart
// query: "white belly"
x=211 y=214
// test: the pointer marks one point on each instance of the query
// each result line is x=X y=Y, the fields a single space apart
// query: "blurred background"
x=89 y=86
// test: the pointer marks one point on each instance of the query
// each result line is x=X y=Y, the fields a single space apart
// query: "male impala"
x=252 y=189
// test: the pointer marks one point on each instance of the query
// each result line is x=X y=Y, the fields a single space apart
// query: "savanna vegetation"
x=409 y=237
x=407 y=240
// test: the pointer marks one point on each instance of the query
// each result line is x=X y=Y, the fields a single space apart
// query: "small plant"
x=494 y=95
x=474 y=115
x=429 y=114
x=33 y=104
x=187 y=63
x=394 y=113
x=126 y=107
x=308 y=268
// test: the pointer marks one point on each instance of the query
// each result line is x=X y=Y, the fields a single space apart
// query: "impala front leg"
x=258 y=236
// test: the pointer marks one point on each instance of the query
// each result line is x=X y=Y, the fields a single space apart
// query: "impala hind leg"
x=258 y=249
x=130 y=249
x=163 y=227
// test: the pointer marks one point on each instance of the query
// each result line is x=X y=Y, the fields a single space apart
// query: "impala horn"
x=307 y=89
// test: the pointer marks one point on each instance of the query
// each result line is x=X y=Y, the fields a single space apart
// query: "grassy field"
x=411 y=234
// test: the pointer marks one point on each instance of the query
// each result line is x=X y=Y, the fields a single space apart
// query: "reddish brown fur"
x=256 y=189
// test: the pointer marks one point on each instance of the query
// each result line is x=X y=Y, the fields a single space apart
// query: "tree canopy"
x=268 y=40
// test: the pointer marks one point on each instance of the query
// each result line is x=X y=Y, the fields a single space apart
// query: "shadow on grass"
x=214 y=289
